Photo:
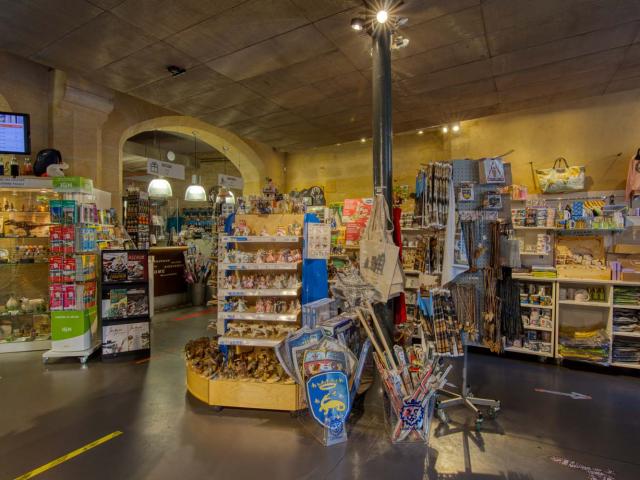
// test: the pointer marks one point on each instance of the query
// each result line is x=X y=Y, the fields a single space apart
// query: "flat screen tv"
x=15 y=136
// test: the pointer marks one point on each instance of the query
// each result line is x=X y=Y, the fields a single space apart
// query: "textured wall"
x=599 y=132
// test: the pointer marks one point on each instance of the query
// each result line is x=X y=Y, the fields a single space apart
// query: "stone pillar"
x=77 y=112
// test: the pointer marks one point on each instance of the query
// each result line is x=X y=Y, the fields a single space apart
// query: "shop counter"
x=169 y=286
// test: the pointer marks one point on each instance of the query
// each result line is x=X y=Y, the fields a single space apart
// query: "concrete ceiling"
x=292 y=74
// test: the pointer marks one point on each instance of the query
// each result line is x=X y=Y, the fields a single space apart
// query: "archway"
x=240 y=153
x=4 y=105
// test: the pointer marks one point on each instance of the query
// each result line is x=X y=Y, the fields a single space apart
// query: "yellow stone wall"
x=600 y=133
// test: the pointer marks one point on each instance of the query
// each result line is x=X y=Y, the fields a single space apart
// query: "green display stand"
x=73 y=330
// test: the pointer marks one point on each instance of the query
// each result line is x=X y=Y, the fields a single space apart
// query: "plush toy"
x=49 y=163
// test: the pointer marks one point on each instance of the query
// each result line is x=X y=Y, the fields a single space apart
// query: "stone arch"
x=4 y=105
x=239 y=152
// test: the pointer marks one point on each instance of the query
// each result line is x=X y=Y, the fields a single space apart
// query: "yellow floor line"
x=68 y=456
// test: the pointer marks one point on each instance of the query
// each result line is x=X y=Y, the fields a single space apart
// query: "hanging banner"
x=230 y=181
x=165 y=169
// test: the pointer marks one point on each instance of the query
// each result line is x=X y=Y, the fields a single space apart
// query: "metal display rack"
x=467 y=171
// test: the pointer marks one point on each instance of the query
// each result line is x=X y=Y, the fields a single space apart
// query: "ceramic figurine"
x=264 y=233
x=259 y=306
x=282 y=256
x=270 y=258
x=260 y=256
x=281 y=231
x=268 y=306
x=241 y=306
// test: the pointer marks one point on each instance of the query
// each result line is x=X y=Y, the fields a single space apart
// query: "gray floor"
x=47 y=411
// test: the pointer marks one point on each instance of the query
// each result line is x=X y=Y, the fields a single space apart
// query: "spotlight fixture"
x=445 y=129
x=455 y=128
x=362 y=140
x=420 y=132
x=175 y=71
x=382 y=16
x=357 y=24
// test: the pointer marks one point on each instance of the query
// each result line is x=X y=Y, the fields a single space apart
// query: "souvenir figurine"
x=262 y=282
x=270 y=258
x=241 y=306
x=241 y=229
x=292 y=281
x=282 y=256
x=259 y=306
x=264 y=233
x=278 y=282
x=281 y=231
x=268 y=306
x=260 y=256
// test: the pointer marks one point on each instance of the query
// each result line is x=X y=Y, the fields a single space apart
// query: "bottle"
x=15 y=168
x=27 y=168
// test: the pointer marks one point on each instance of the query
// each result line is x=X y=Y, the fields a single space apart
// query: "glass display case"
x=24 y=264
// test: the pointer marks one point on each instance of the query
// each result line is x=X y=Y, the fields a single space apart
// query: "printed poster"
x=355 y=215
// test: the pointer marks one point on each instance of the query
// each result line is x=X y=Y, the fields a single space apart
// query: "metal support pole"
x=382 y=139
x=382 y=129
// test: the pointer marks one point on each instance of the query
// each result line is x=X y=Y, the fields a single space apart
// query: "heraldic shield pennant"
x=329 y=401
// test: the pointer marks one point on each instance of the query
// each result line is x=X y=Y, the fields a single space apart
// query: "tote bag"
x=379 y=256
x=559 y=179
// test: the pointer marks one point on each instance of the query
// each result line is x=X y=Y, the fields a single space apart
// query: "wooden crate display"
x=581 y=257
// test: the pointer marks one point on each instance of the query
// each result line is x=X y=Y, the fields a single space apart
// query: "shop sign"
x=318 y=241
x=230 y=181
x=492 y=170
x=73 y=185
x=25 y=182
x=355 y=214
x=165 y=169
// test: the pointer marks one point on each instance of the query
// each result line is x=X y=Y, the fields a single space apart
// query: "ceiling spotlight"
x=455 y=128
x=420 y=132
x=362 y=140
x=382 y=16
x=357 y=24
x=175 y=71
x=445 y=129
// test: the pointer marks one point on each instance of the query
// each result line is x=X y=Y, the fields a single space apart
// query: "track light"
x=455 y=128
x=382 y=16
x=420 y=132
x=362 y=140
x=357 y=24
x=445 y=129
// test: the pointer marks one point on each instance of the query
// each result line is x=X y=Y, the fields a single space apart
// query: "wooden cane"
x=372 y=337
x=376 y=324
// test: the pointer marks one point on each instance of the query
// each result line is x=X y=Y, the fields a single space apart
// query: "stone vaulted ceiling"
x=292 y=74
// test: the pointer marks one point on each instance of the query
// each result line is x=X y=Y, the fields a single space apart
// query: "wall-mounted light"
x=445 y=129
x=195 y=192
x=362 y=140
x=382 y=16
x=455 y=128
x=159 y=188
x=420 y=132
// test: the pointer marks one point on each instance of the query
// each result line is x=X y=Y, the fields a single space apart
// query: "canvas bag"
x=379 y=256
x=560 y=179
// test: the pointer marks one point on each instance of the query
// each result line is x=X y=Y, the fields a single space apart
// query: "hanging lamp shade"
x=195 y=192
x=159 y=188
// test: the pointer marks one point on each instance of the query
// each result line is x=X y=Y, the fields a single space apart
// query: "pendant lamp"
x=159 y=188
x=195 y=192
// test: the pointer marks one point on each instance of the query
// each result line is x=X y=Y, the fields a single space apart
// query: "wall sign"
x=318 y=241
x=165 y=169
x=230 y=181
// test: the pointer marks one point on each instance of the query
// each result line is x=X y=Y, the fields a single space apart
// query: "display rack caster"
x=492 y=413
x=442 y=416
x=479 y=420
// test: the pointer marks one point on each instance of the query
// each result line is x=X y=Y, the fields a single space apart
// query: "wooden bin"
x=233 y=393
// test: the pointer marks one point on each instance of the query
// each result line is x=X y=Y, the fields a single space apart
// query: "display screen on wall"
x=14 y=133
